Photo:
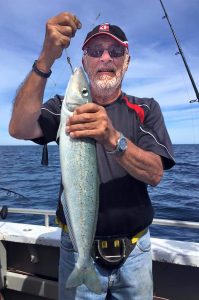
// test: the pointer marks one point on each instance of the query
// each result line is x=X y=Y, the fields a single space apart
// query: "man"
x=133 y=148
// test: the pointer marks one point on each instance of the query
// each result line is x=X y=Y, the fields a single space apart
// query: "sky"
x=154 y=71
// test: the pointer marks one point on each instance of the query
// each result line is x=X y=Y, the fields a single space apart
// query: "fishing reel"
x=4 y=212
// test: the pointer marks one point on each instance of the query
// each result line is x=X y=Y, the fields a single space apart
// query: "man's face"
x=105 y=72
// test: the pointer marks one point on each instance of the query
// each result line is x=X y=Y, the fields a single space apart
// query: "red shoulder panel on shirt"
x=139 y=110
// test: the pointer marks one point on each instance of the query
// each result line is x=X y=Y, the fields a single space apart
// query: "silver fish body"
x=80 y=181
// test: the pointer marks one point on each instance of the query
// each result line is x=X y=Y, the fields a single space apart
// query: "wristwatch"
x=121 y=146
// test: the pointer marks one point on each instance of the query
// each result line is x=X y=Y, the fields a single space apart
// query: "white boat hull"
x=29 y=256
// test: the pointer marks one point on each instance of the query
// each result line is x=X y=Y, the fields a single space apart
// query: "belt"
x=64 y=227
x=111 y=252
x=133 y=240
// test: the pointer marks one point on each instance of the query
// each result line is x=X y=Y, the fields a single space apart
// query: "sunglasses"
x=114 y=51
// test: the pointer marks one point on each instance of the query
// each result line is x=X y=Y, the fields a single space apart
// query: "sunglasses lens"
x=114 y=51
x=95 y=52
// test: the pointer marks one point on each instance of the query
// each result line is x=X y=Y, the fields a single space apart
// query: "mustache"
x=107 y=68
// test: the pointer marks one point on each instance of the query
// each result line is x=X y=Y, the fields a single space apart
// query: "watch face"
x=123 y=144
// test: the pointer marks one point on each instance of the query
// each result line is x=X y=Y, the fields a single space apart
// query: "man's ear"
x=128 y=61
x=129 y=58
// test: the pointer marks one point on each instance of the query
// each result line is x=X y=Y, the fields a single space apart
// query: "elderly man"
x=133 y=149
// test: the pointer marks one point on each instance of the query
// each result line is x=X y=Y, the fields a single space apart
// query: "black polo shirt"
x=124 y=204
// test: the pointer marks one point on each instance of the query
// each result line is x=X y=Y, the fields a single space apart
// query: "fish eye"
x=84 y=92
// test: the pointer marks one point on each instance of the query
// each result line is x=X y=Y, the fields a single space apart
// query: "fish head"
x=78 y=90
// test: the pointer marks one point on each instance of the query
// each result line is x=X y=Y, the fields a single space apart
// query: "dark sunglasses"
x=114 y=51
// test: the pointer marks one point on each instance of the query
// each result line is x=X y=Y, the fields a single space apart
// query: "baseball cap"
x=112 y=30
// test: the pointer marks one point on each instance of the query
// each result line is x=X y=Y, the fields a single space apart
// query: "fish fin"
x=67 y=216
x=88 y=277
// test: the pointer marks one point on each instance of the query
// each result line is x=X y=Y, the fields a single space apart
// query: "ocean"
x=35 y=186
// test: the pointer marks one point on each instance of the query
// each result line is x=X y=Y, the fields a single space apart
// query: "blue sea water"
x=175 y=198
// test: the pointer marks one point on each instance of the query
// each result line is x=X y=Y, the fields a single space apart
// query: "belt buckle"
x=110 y=252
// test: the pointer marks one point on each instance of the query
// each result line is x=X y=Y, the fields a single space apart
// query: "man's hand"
x=91 y=120
x=59 y=31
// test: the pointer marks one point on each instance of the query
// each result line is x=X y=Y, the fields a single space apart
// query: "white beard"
x=106 y=85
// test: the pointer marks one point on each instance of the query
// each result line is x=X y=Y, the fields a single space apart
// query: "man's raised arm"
x=27 y=104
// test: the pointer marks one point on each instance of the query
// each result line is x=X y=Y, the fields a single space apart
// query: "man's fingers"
x=82 y=126
x=88 y=108
x=82 y=118
x=61 y=29
x=66 y=19
x=77 y=22
x=60 y=39
x=65 y=30
x=83 y=133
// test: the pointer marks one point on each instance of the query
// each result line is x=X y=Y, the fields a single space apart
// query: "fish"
x=80 y=197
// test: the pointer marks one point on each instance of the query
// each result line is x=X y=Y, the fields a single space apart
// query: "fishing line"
x=61 y=72
x=190 y=109
x=94 y=23
x=69 y=61
x=66 y=51
x=51 y=89
x=193 y=114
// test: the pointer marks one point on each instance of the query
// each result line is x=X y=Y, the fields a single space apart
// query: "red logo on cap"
x=104 y=27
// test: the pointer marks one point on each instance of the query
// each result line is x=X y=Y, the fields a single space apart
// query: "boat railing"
x=47 y=213
x=30 y=211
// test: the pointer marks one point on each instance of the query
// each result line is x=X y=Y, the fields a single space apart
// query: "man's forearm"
x=143 y=165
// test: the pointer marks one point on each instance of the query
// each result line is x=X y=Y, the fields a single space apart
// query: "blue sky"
x=155 y=70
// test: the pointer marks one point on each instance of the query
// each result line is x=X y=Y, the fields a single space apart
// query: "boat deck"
x=29 y=256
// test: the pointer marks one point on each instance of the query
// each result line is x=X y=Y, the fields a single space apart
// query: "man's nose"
x=105 y=56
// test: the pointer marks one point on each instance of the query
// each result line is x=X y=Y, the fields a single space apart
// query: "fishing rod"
x=4 y=209
x=182 y=55
x=13 y=193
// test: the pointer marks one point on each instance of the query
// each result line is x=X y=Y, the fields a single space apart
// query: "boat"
x=29 y=257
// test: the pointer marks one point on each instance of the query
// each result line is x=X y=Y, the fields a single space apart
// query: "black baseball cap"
x=112 y=30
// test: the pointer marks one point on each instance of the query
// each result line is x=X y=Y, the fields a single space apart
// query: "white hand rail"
x=48 y=212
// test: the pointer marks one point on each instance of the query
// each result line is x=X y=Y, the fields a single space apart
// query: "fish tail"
x=88 y=277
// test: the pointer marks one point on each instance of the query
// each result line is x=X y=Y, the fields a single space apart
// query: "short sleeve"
x=49 y=120
x=153 y=135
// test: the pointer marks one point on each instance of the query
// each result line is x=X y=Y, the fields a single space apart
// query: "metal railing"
x=47 y=213
x=28 y=211
x=177 y=223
